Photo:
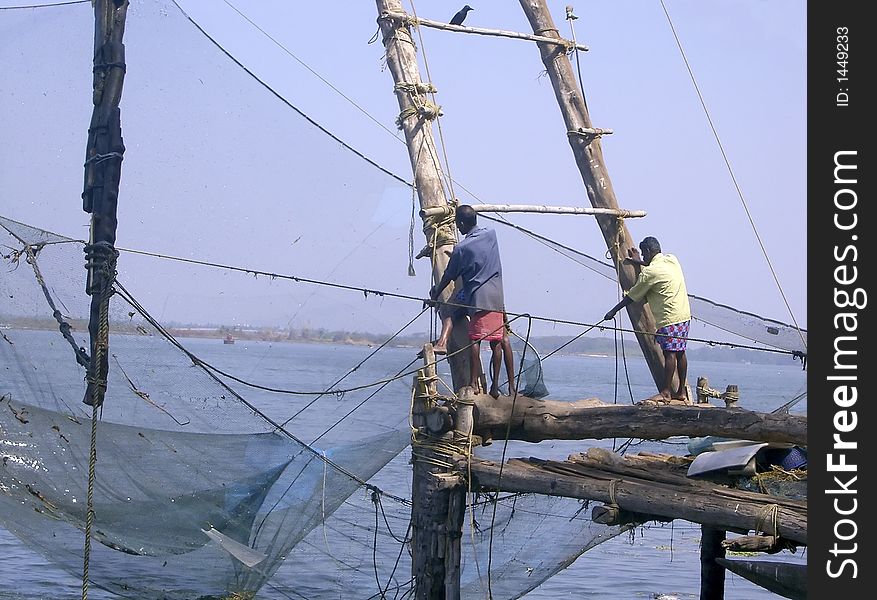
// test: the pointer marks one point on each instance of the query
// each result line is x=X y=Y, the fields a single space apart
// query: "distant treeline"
x=542 y=344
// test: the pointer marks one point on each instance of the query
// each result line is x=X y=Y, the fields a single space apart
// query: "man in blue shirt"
x=475 y=260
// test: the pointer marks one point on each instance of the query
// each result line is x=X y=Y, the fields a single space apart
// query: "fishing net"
x=210 y=483
x=747 y=325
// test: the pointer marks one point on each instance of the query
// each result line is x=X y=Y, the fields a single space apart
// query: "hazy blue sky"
x=202 y=174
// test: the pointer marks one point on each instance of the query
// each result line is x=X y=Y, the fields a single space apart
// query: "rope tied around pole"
x=613 y=491
x=100 y=260
x=99 y=158
x=768 y=515
x=443 y=228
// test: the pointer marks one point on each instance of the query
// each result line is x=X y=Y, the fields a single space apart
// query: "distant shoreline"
x=597 y=347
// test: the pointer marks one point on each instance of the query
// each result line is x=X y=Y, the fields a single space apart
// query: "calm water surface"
x=652 y=560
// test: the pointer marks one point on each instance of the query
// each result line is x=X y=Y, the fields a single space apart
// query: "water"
x=655 y=559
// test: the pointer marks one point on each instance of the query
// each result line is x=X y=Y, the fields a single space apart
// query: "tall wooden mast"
x=584 y=140
x=438 y=499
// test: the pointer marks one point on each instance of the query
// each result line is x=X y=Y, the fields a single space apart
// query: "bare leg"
x=509 y=364
x=682 y=371
x=441 y=345
x=669 y=372
x=475 y=366
x=495 y=361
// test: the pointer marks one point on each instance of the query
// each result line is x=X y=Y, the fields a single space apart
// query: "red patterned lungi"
x=486 y=325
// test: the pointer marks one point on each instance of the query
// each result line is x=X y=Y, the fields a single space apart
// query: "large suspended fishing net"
x=261 y=465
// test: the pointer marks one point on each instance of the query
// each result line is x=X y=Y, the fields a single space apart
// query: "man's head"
x=466 y=218
x=649 y=247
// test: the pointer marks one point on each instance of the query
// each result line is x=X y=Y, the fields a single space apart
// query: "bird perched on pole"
x=458 y=18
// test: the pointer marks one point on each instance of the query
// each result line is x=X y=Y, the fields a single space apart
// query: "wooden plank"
x=719 y=507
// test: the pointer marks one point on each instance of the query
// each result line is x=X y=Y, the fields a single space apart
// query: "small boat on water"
x=228 y=339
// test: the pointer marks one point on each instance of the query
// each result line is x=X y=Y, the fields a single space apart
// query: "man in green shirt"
x=662 y=285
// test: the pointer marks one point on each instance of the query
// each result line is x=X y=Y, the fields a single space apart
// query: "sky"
x=230 y=174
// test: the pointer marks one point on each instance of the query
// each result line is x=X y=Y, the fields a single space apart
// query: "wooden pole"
x=103 y=170
x=438 y=496
x=538 y=420
x=712 y=574
x=537 y=208
x=417 y=126
x=588 y=154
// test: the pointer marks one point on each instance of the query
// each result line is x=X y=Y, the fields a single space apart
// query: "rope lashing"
x=415 y=87
x=100 y=260
x=613 y=491
x=616 y=243
x=440 y=230
x=589 y=133
x=99 y=158
x=108 y=66
x=768 y=515
x=427 y=110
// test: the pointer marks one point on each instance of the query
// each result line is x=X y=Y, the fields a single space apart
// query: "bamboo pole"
x=566 y=45
x=588 y=154
x=423 y=154
x=438 y=496
x=537 y=208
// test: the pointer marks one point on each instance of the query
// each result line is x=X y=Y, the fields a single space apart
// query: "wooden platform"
x=654 y=487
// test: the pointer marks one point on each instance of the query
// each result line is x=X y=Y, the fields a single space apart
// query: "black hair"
x=466 y=216
x=651 y=245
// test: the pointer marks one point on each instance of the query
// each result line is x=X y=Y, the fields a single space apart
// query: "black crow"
x=458 y=18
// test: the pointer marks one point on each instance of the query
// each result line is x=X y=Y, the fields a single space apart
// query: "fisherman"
x=475 y=260
x=660 y=282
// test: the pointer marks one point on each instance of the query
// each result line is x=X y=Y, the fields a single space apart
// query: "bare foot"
x=656 y=399
x=494 y=392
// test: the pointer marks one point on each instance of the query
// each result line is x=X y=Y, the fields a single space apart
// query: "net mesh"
x=211 y=481
x=217 y=475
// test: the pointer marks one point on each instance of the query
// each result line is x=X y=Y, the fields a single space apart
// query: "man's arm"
x=633 y=257
x=626 y=301
x=437 y=289
x=447 y=277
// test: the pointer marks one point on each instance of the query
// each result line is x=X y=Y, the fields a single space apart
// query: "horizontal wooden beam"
x=410 y=20
x=538 y=420
x=443 y=211
x=720 y=508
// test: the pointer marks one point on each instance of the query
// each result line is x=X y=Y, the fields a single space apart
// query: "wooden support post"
x=436 y=517
x=411 y=93
x=588 y=154
x=712 y=574
x=103 y=170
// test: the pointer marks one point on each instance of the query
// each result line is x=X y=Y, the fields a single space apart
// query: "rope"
x=89 y=503
x=127 y=297
x=317 y=75
x=733 y=177
x=31 y=251
x=447 y=170
x=44 y=5
x=102 y=258
x=770 y=513
x=287 y=102
x=505 y=445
